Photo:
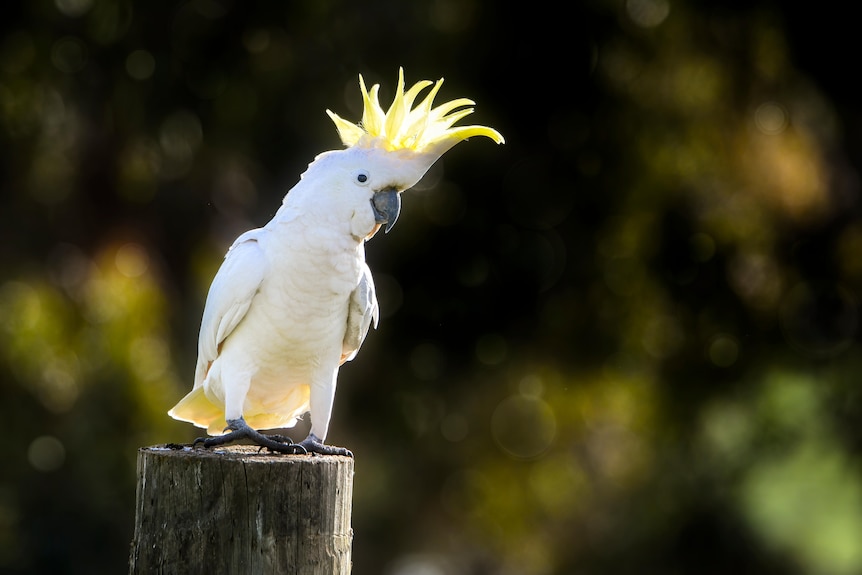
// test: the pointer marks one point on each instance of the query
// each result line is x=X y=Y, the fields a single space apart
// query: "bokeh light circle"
x=46 y=453
x=723 y=350
x=770 y=118
x=523 y=427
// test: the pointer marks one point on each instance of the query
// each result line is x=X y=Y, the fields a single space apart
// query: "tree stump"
x=234 y=510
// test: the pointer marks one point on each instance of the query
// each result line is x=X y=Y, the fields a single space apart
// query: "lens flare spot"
x=723 y=350
x=140 y=65
x=132 y=260
x=454 y=427
x=523 y=427
x=46 y=453
x=73 y=8
x=69 y=55
x=770 y=118
x=647 y=13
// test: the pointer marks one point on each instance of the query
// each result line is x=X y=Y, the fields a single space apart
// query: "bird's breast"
x=300 y=311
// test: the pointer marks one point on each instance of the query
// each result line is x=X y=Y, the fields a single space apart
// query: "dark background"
x=626 y=341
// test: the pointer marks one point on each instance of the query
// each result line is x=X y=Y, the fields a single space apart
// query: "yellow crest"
x=403 y=127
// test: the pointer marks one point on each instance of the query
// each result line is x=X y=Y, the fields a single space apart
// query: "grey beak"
x=386 y=205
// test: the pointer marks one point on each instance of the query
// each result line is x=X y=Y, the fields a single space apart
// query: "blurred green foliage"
x=624 y=342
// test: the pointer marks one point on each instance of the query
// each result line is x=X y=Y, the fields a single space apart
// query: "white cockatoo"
x=293 y=300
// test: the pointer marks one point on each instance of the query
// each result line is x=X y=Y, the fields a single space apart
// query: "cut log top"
x=236 y=509
x=250 y=453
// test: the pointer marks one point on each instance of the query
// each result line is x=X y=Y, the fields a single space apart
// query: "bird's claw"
x=239 y=429
x=313 y=444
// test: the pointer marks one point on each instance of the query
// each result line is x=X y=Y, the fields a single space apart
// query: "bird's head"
x=389 y=151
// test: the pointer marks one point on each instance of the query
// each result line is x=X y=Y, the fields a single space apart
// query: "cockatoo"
x=293 y=300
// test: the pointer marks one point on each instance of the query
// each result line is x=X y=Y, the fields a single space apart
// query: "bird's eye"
x=362 y=177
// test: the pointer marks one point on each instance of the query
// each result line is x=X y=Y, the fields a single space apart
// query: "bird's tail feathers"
x=196 y=408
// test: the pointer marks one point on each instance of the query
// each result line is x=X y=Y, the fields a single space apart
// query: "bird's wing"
x=362 y=311
x=230 y=296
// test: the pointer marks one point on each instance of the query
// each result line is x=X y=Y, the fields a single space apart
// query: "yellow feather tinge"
x=404 y=127
x=198 y=409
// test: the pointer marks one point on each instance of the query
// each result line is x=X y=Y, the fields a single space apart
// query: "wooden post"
x=234 y=510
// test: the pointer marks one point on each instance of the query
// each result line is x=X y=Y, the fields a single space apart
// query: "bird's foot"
x=313 y=444
x=239 y=429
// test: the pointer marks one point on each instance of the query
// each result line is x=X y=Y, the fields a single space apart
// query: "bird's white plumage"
x=291 y=302
x=230 y=296
x=294 y=300
x=362 y=311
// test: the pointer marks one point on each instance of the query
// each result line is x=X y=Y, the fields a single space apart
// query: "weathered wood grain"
x=233 y=510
